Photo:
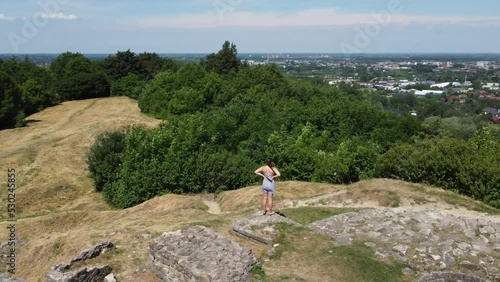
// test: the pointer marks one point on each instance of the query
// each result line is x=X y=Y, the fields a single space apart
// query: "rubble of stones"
x=444 y=276
x=4 y=277
x=425 y=240
x=199 y=254
x=62 y=272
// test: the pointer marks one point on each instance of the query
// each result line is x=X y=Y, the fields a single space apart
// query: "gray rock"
x=469 y=265
x=4 y=277
x=83 y=274
x=407 y=271
x=464 y=246
x=449 y=259
x=436 y=257
x=421 y=249
x=401 y=249
x=425 y=232
x=449 y=277
x=110 y=278
x=373 y=234
x=93 y=252
x=487 y=229
x=370 y=245
x=492 y=273
x=343 y=239
x=62 y=273
x=496 y=247
x=199 y=254
x=458 y=253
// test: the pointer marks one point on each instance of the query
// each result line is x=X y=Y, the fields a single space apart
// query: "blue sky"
x=201 y=26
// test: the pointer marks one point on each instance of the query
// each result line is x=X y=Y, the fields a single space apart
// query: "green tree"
x=84 y=86
x=69 y=63
x=156 y=94
x=130 y=85
x=225 y=61
x=77 y=77
x=10 y=101
x=35 y=97
x=150 y=64
x=123 y=63
x=185 y=100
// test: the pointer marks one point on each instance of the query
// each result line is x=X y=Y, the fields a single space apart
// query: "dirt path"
x=213 y=206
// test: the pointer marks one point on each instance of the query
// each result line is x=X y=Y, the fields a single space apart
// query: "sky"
x=255 y=26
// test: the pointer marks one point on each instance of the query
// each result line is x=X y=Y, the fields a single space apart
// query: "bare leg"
x=264 y=198
x=270 y=203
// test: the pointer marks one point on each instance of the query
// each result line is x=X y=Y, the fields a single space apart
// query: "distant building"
x=492 y=86
x=430 y=82
x=491 y=111
x=458 y=90
x=420 y=93
x=440 y=85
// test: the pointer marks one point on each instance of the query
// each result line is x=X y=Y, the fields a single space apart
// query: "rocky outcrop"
x=199 y=254
x=62 y=272
x=93 y=274
x=425 y=240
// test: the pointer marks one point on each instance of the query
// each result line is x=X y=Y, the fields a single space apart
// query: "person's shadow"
x=280 y=213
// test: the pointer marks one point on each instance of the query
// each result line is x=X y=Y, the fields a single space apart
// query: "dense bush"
x=470 y=168
x=104 y=158
x=130 y=85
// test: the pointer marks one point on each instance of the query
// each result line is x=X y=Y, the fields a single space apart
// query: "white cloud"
x=308 y=18
x=6 y=18
x=59 y=16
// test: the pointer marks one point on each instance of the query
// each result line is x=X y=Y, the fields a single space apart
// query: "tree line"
x=26 y=88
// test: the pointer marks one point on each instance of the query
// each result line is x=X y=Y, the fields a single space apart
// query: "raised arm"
x=258 y=172
x=278 y=174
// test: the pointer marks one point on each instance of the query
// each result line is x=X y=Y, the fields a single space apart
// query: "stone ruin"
x=200 y=254
x=427 y=241
x=449 y=277
x=63 y=273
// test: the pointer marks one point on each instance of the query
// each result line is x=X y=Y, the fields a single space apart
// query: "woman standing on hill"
x=269 y=173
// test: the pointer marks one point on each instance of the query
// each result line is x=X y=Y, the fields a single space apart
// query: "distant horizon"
x=266 y=53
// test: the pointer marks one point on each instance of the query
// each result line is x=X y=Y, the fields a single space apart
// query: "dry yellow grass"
x=60 y=214
x=49 y=154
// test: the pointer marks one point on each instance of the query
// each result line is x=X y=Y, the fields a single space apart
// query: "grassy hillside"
x=60 y=214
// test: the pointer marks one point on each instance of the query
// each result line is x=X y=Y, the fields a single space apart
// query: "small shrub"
x=104 y=158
